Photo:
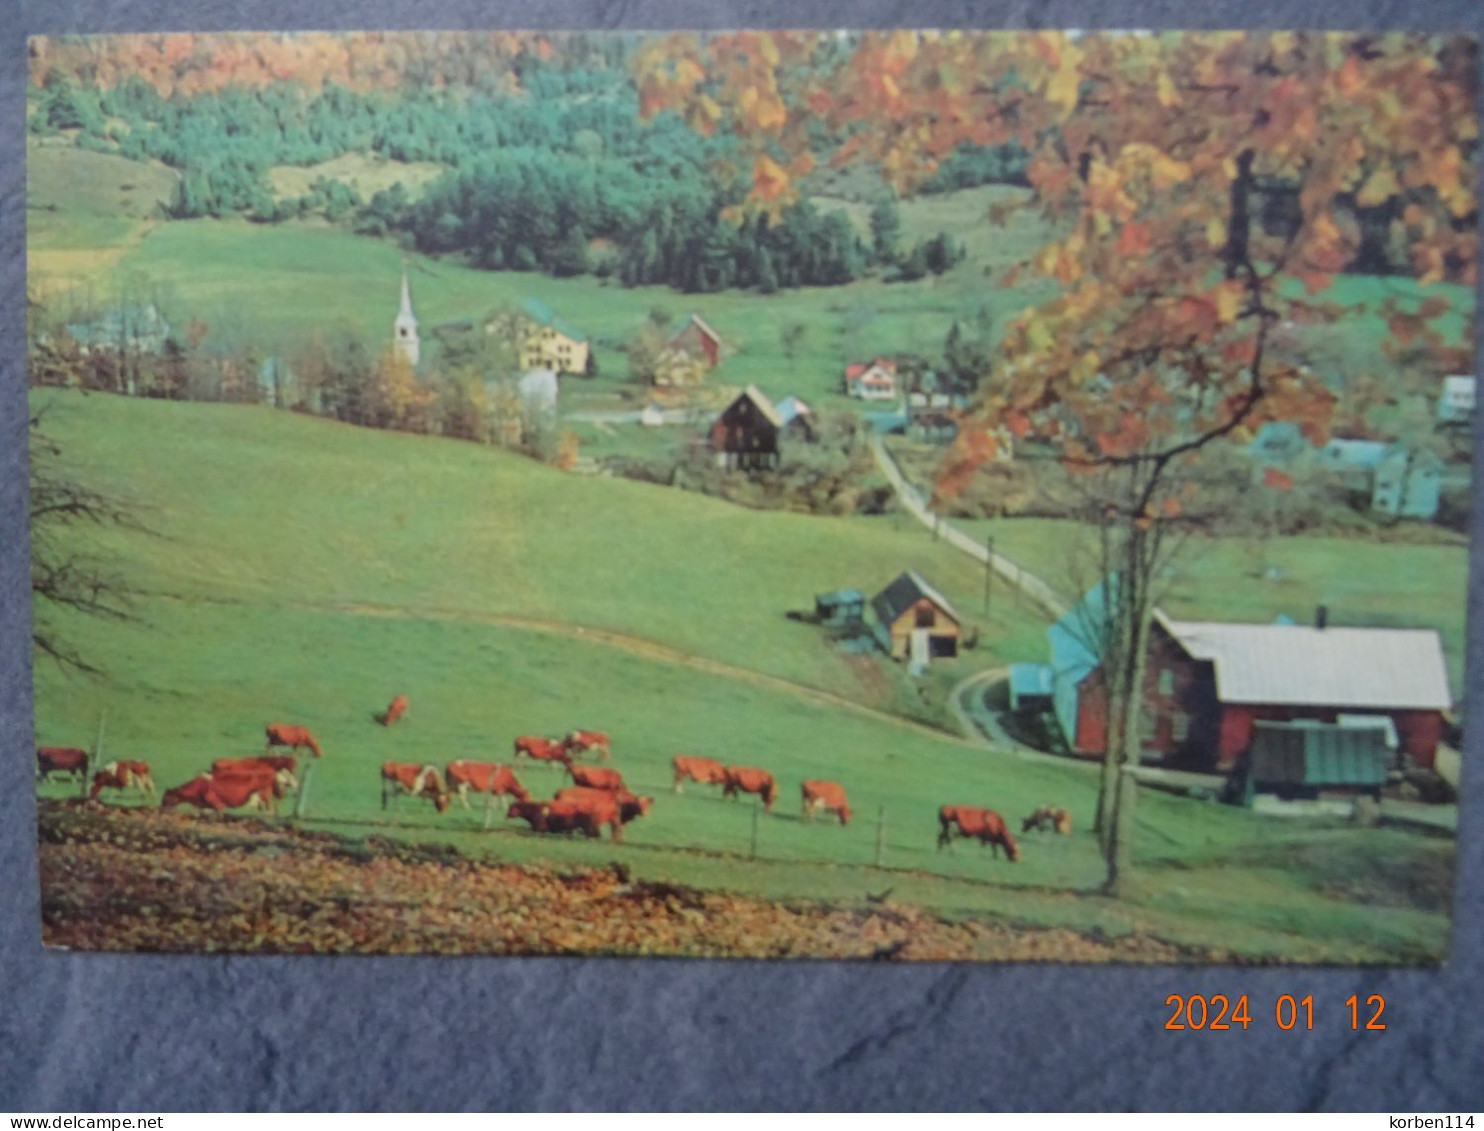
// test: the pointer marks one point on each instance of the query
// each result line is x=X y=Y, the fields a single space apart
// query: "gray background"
x=92 y=1032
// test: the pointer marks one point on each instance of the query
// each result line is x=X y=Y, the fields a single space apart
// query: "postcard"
x=906 y=495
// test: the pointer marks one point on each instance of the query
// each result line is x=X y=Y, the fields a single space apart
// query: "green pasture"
x=303 y=571
x=1391 y=584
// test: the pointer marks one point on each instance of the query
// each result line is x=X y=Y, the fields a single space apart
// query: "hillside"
x=305 y=571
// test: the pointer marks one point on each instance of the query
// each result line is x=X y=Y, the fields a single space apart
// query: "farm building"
x=1208 y=684
x=546 y=342
x=1302 y=758
x=1030 y=687
x=697 y=339
x=798 y=419
x=912 y=616
x=1398 y=481
x=872 y=380
x=1456 y=401
x=745 y=435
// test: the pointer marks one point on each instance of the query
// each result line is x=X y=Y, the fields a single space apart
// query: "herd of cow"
x=598 y=797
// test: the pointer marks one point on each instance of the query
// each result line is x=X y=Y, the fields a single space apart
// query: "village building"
x=1456 y=401
x=799 y=422
x=872 y=380
x=1392 y=479
x=840 y=608
x=745 y=435
x=404 y=329
x=914 y=621
x=698 y=340
x=1208 y=684
x=547 y=342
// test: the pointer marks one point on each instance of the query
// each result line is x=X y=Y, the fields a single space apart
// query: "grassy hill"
x=304 y=571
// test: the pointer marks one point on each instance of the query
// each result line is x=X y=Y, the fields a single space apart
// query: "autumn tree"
x=1202 y=189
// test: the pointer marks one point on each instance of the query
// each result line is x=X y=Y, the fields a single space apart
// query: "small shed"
x=1456 y=401
x=745 y=435
x=1030 y=687
x=840 y=607
x=798 y=418
x=1303 y=757
x=910 y=606
x=1408 y=483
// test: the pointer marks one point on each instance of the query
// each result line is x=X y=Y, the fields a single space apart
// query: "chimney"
x=1321 y=616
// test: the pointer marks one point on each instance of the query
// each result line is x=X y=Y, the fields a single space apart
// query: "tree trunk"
x=1239 y=221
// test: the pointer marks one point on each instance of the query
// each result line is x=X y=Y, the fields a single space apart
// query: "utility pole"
x=988 y=569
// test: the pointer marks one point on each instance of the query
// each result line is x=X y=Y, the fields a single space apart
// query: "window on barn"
x=924 y=616
x=1166 y=681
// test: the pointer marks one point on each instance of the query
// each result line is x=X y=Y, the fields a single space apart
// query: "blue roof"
x=885 y=422
x=1030 y=679
x=544 y=314
x=1354 y=453
x=1076 y=640
x=791 y=407
x=842 y=597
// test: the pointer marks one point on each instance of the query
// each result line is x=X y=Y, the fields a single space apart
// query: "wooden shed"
x=909 y=606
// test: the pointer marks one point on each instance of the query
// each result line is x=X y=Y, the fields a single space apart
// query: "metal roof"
x=545 y=316
x=908 y=588
x=1030 y=679
x=764 y=405
x=1392 y=668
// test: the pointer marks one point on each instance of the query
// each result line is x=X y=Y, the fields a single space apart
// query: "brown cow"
x=582 y=741
x=543 y=749
x=398 y=778
x=704 y=770
x=629 y=806
x=123 y=775
x=286 y=734
x=484 y=777
x=225 y=791
x=281 y=766
x=562 y=816
x=61 y=760
x=394 y=710
x=985 y=825
x=596 y=777
x=1053 y=816
x=745 y=779
x=825 y=795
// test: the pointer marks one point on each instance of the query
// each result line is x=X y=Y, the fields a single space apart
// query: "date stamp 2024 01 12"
x=1218 y=1011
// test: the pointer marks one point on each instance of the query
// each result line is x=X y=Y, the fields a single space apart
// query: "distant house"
x=745 y=435
x=134 y=329
x=798 y=418
x=911 y=616
x=872 y=380
x=547 y=342
x=696 y=338
x=840 y=608
x=1456 y=401
x=1400 y=481
x=1278 y=443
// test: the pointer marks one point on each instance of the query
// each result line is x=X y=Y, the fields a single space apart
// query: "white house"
x=872 y=381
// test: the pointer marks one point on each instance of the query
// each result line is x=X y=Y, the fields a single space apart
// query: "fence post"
x=752 y=850
x=82 y=789
x=880 y=836
x=301 y=802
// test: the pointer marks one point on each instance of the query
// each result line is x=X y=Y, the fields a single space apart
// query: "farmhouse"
x=872 y=380
x=546 y=342
x=697 y=339
x=1207 y=685
x=1396 y=480
x=914 y=620
x=745 y=435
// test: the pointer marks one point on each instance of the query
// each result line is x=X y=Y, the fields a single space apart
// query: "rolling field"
x=304 y=571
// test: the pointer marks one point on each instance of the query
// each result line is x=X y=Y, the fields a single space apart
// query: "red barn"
x=699 y=340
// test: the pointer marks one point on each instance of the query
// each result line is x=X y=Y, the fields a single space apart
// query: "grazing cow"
x=398 y=778
x=564 y=816
x=704 y=770
x=582 y=741
x=225 y=791
x=285 y=734
x=745 y=779
x=543 y=749
x=394 y=710
x=1052 y=816
x=825 y=795
x=484 y=777
x=281 y=766
x=123 y=775
x=596 y=777
x=985 y=825
x=61 y=760
x=629 y=806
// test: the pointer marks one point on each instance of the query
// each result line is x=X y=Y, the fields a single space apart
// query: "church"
x=404 y=330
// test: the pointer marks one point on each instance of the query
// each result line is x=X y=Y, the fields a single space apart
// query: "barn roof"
x=700 y=324
x=908 y=588
x=1029 y=680
x=545 y=316
x=1076 y=638
x=1299 y=665
x=790 y=408
x=764 y=405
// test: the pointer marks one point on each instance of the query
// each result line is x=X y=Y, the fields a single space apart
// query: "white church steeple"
x=404 y=330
